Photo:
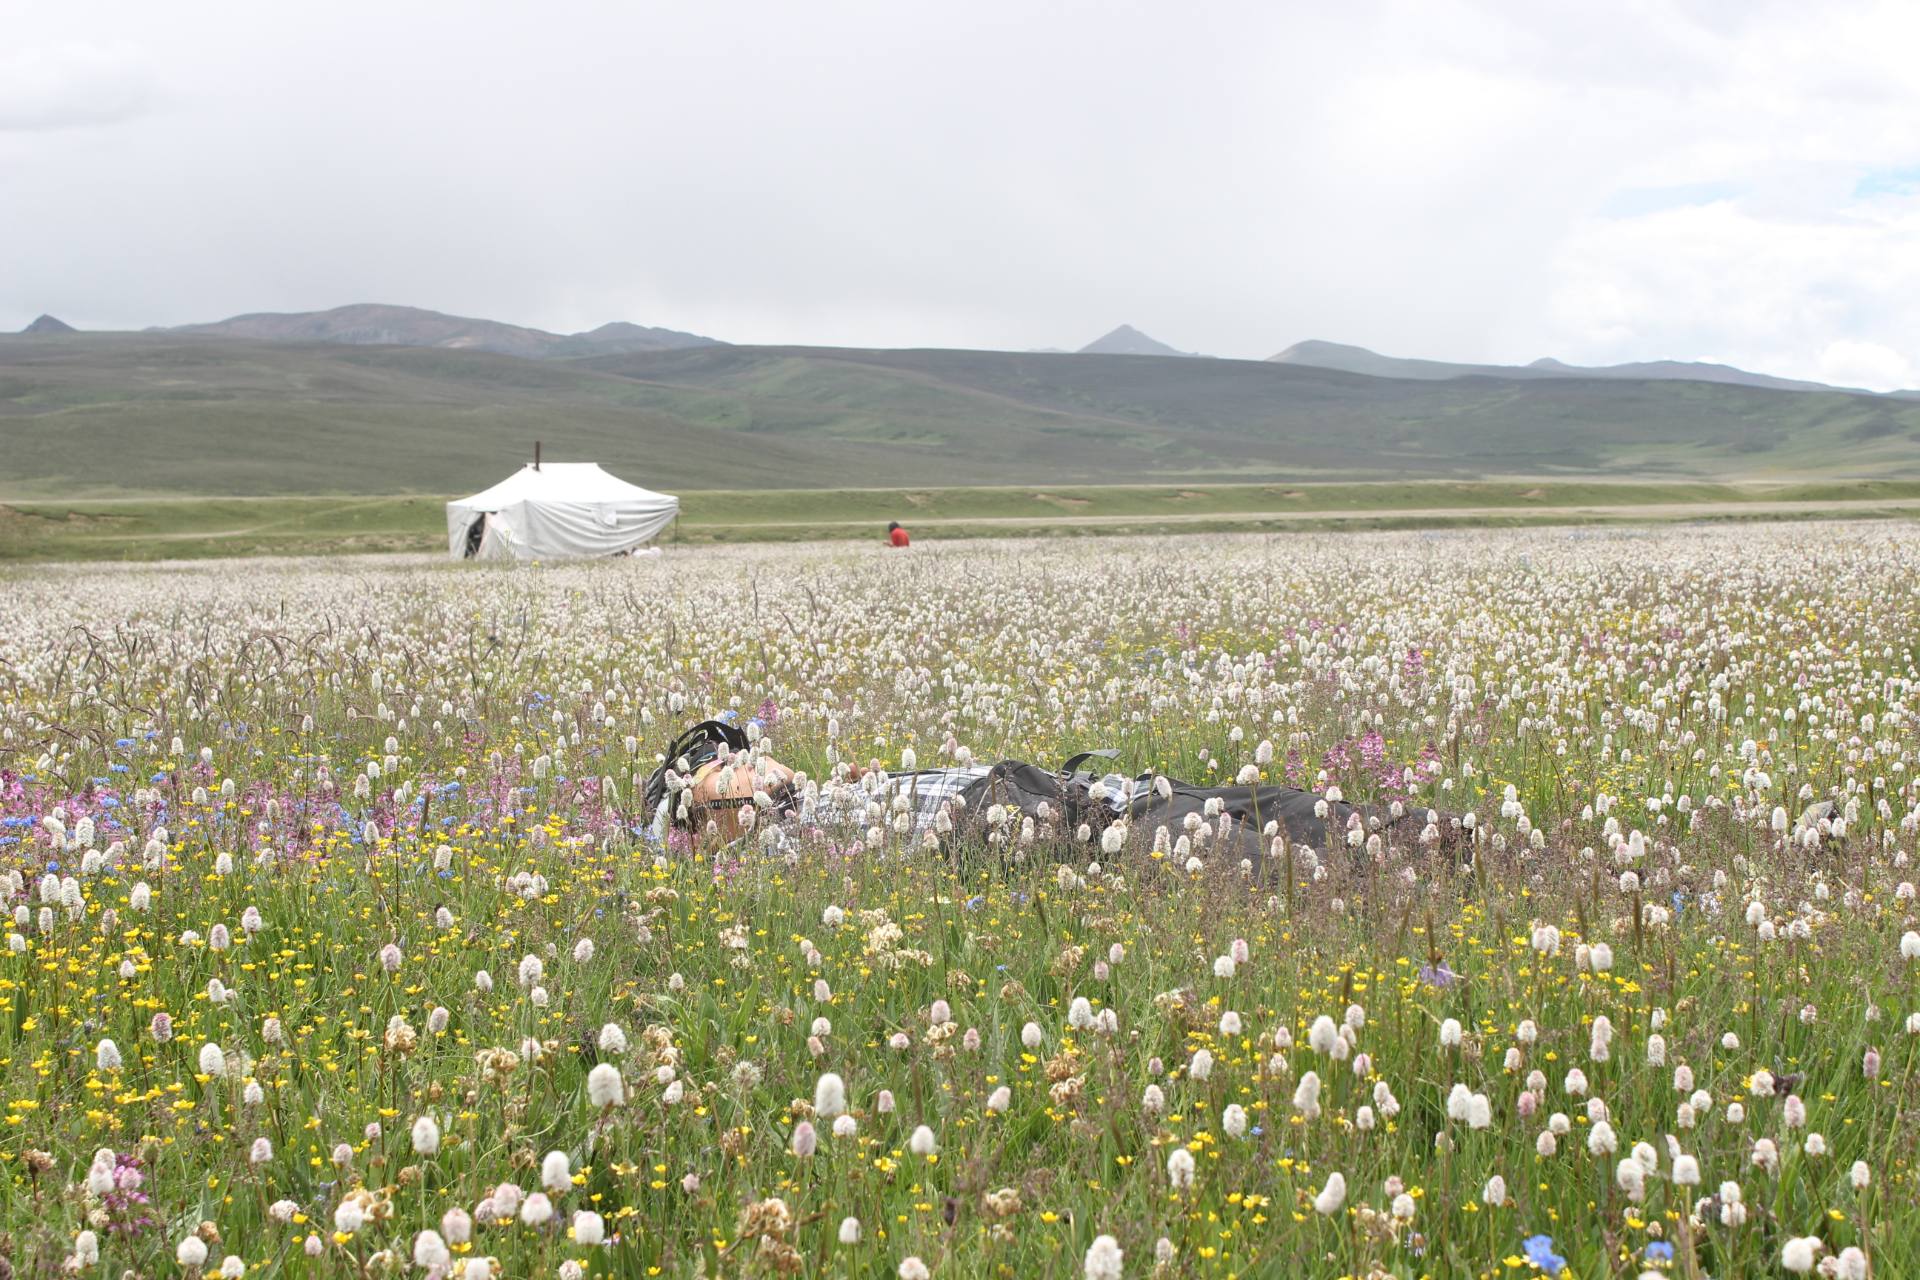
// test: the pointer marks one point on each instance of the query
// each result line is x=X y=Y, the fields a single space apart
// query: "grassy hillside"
x=103 y=415
x=189 y=528
x=1249 y=415
x=161 y=414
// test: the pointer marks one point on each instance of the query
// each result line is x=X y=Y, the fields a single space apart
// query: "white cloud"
x=1849 y=363
x=72 y=84
x=1463 y=179
x=1833 y=298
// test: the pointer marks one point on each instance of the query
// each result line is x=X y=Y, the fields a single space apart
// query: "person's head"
x=709 y=774
x=892 y=525
x=723 y=790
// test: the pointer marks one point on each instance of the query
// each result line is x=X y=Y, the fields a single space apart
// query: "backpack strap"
x=1075 y=761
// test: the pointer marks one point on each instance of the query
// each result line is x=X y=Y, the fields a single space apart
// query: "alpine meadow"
x=341 y=945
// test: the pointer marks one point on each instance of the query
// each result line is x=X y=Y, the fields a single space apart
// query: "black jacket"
x=1059 y=803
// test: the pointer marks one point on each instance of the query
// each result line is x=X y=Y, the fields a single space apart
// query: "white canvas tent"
x=558 y=511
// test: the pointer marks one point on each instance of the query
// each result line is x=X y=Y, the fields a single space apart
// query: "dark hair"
x=697 y=745
x=892 y=525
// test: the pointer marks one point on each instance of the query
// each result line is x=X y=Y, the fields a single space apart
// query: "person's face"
x=715 y=795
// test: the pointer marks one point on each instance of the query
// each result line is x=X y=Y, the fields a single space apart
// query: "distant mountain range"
x=370 y=324
x=201 y=413
x=378 y=325
x=1351 y=359
x=374 y=399
x=1129 y=341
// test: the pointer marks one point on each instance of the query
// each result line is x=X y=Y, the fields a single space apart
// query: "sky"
x=1731 y=181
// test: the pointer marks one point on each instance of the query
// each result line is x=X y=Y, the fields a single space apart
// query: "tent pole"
x=536 y=455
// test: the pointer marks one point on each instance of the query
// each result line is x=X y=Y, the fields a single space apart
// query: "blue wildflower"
x=1539 y=1250
x=1660 y=1251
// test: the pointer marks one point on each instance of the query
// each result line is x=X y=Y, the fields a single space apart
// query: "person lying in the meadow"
x=717 y=787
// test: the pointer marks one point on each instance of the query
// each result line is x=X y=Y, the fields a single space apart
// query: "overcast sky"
x=1729 y=181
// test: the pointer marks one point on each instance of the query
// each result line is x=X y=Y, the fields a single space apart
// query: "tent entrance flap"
x=476 y=534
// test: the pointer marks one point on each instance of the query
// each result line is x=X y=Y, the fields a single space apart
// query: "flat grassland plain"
x=172 y=527
x=336 y=945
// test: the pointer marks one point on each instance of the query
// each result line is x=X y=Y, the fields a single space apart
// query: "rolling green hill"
x=106 y=414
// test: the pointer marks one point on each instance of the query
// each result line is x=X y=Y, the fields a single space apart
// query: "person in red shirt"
x=896 y=535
